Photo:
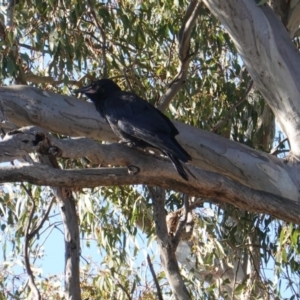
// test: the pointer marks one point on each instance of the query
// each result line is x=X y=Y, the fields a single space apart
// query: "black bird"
x=136 y=121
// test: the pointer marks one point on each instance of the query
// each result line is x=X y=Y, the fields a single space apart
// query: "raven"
x=136 y=121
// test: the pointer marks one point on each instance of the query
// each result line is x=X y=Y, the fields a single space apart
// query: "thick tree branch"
x=208 y=184
x=23 y=105
x=270 y=57
x=223 y=156
x=151 y=170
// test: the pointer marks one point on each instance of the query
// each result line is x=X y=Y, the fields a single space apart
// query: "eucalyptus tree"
x=224 y=72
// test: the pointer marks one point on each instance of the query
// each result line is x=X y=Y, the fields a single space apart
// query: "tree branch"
x=124 y=289
x=159 y=294
x=270 y=57
x=42 y=221
x=167 y=249
x=27 y=239
x=23 y=105
x=276 y=150
x=293 y=18
x=184 y=54
x=208 y=184
x=147 y=169
x=72 y=242
x=242 y=164
x=71 y=233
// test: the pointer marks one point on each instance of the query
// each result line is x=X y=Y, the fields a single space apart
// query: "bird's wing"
x=137 y=117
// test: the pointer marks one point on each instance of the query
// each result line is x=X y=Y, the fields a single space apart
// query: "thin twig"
x=123 y=289
x=197 y=203
x=238 y=103
x=32 y=48
x=42 y=221
x=276 y=150
x=85 y=260
x=58 y=228
x=40 y=245
x=159 y=294
x=11 y=295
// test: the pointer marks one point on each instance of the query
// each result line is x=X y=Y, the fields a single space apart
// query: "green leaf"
x=10 y=66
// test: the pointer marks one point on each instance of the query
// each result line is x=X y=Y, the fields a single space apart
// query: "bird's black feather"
x=135 y=120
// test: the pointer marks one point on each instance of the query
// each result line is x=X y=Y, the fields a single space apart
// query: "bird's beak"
x=85 y=90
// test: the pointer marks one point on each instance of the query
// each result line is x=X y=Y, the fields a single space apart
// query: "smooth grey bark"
x=23 y=105
x=270 y=57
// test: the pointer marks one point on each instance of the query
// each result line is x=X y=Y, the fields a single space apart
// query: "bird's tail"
x=178 y=166
x=172 y=147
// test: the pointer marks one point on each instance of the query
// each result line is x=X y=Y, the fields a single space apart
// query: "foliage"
x=56 y=45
